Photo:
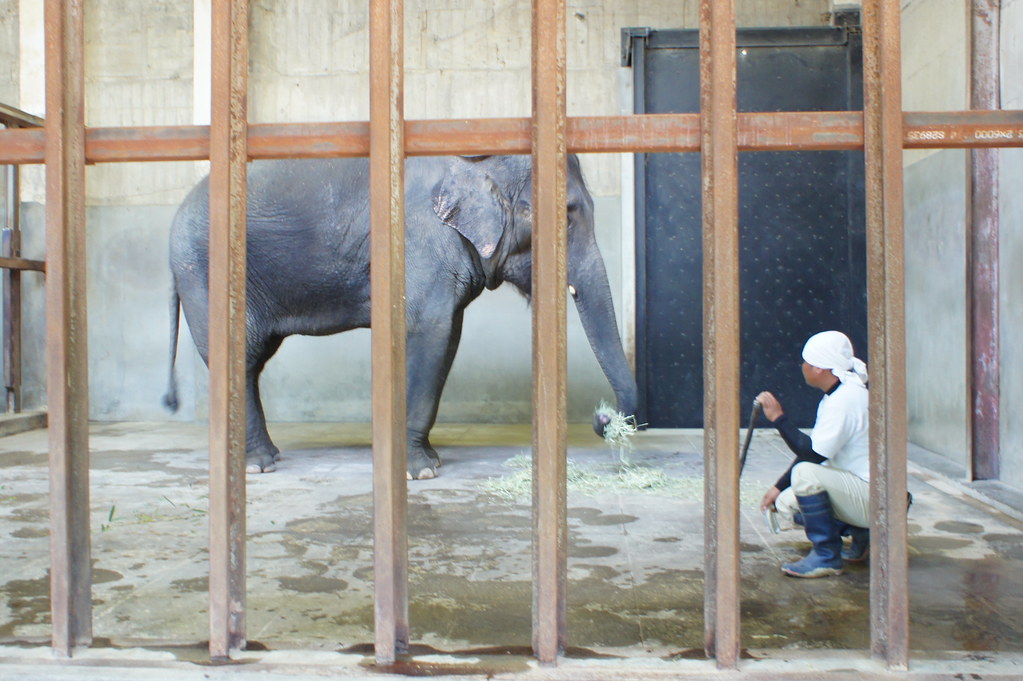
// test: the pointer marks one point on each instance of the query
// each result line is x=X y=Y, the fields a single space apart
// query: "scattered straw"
x=594 y=479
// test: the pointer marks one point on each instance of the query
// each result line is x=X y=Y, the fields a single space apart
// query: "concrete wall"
x=935 y=63
x=147 y=64
x=934 y=66
x=1011 y=252
x=8 y=53
x=8 y=77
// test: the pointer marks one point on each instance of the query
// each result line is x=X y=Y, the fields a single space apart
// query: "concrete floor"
x=635 y=566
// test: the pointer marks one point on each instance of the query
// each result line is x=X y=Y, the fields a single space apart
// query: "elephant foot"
x=433 y=455
x=422 y=466
x=262 y=460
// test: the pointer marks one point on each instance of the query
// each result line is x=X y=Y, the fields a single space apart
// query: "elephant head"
x=489 y=201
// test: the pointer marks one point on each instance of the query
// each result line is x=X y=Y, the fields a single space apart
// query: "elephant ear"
x=469 y=200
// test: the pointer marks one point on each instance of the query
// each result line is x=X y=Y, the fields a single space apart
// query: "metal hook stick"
x=749 y=434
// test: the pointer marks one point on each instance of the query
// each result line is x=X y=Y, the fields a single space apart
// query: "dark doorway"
x=801 y=219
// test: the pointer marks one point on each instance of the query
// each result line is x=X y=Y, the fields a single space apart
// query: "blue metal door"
x=801 y=219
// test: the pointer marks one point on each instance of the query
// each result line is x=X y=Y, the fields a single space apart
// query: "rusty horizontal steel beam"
x=809 y=131
x=962 y=129
x=22 y=145
x=22 y=264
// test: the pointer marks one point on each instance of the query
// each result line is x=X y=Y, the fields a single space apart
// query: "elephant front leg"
x=430 y=352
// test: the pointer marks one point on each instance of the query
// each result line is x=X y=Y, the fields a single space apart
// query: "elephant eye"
x=573 y=211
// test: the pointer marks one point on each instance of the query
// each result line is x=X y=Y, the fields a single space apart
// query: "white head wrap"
x=833 y=350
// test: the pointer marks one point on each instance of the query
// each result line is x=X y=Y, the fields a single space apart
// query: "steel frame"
x=982 y=244
x=387 y=288
x=652 y=133
x=66 y=349
x=228 y=159
x=13 y=264
x=65 y=145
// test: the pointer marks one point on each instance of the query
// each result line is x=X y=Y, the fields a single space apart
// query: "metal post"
x=11 y=248
x=883 y=134
x=982 y=242
x=550 y=359
x=387 y=274
x=720 y=170
x=67 y=351
x=228 y=157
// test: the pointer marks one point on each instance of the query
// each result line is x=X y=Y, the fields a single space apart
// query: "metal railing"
x=12 y=263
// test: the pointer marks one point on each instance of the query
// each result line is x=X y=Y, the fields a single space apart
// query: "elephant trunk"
x=592 y=293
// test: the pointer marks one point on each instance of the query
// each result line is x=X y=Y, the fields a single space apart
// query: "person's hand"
x=771 y=406
x=769 y=499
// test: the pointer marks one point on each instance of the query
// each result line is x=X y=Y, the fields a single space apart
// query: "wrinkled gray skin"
x=468 y=227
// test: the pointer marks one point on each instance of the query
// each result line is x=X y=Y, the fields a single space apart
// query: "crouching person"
x=826 y=490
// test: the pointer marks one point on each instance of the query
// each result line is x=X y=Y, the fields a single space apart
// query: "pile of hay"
x=617 y=477
x=589 y=480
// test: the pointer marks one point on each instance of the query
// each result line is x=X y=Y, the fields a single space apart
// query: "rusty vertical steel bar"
x=228 y=158
x=883 y=134
x=66 y=332
x=720 y=170
x=11 y=248
x=550 y=358
x=387 y=245
x=982 y=244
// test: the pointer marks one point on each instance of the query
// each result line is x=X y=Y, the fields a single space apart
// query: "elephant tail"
x=170 y=399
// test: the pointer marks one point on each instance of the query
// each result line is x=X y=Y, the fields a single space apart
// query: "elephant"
x=468 y=227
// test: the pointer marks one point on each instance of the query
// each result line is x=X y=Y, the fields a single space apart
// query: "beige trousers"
x=849 y=494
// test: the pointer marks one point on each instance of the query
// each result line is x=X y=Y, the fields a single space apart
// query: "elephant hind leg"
x=261 y=454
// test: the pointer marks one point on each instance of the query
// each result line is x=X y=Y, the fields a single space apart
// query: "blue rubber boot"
x=824 y=532
x=858 y=550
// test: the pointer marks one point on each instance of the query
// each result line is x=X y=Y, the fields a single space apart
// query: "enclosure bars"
x=62 y=149
x=649 y=133
x=387 y=282
x=550 y=357
x=10 y=248
x=66 y=367
x=982 y=228
x=13 y=264
x=228 y=158
x=719 y=159
x=886 y=329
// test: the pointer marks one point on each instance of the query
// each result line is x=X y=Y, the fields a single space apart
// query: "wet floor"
x=635 y=553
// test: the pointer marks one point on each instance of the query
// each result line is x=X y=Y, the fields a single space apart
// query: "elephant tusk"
x=571 y=291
